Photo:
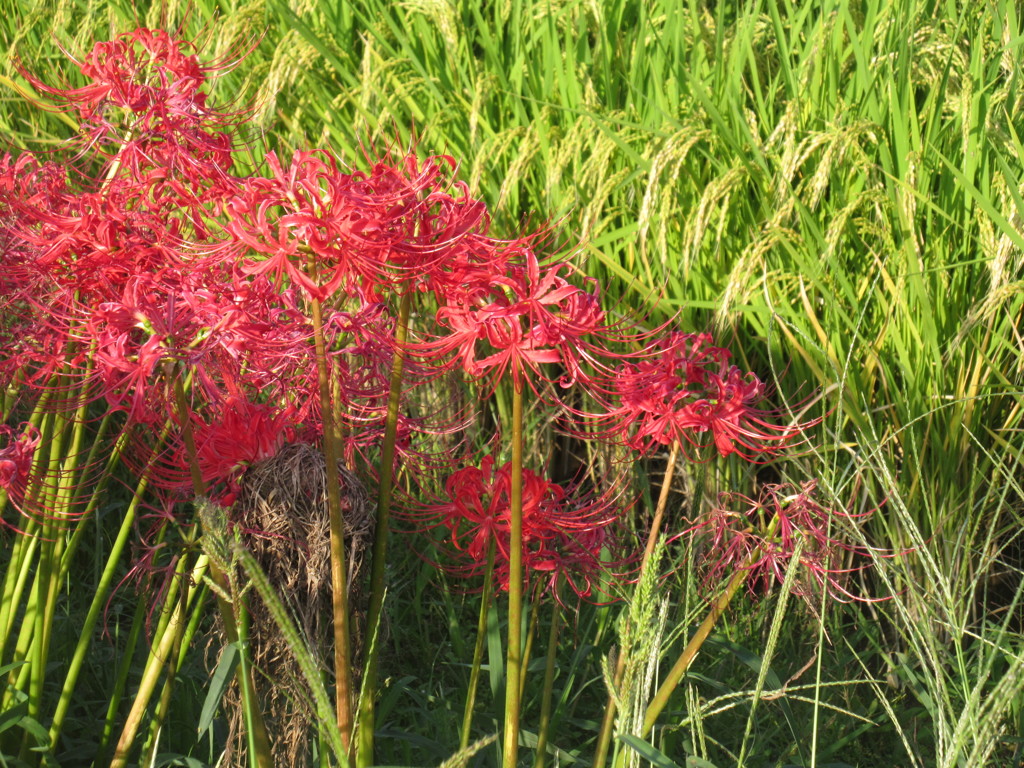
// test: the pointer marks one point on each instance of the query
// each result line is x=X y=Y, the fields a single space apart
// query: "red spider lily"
x=158 y=83
x=241 y=434
x=137 y=71
x=16 y=459
x=760 y=536
x=681 y=388
x=517 y=320
x=324 y=229
x=562 y=536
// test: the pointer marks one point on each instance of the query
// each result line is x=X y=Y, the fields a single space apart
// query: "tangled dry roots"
x=282 y=512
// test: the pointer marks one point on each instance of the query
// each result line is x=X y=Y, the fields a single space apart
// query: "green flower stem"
x=97 y=493
x=364 y=753
x=39 y=627
x=604 y=737
x=181 y=404
x=659 y=512
x=29 y=645
x=531 y=632
x=9 y=397
x=342 y=645
x=549 y=682
x=250 y=705
x=246 y=677
x=675 y=675
x=157 y=662
x=106 y=579
x=124 y=669
x=85 y=481
x=66 y=468
x=20 y=676
x=39 y=419
x=164 y=703
x=478 y=650
x=48 y=584
x=193 y=600
x=25 y=546
x=197 y=597
x=513 y=672
x=18 y=570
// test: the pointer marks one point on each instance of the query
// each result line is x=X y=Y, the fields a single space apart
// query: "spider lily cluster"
x=155 y=298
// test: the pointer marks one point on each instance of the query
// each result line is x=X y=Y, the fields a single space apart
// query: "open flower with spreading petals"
x=516 y=321
x=147 y=74
x=239 y=435
x=564 y=535
x=16 y=458
x=323 y=228
x=762 y=536
x=682 y=388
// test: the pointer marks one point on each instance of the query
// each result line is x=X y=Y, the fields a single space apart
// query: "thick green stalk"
x=124 y=668
x=98 y=487
x=105 y=579
x=37 y=420
x=163 y=705
x=531 y=632
x=250 y=704
x=364 y=750
x=15 y=579
x=68 y=478
x=513 y=672
x=675 y=675
x=25 y=546
x=38 y=495
x=193 y=600
x=689 y=653
x=49 y=563
x=156 y=663
x=549 y=682
x=22 y=648
x=339 y=601
x=478 y=650
x=604 y=736
x=246 y=678
x=659 y=512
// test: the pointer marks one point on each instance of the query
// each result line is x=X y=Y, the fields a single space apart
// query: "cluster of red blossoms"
x=681 y=388
x=564 y=533
x=762 y=536
x=145 y=263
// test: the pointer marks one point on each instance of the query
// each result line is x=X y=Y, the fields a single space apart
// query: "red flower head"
x=761 y=535
x=325 y=229
x=156 y=82
x=16 y=459
x=139 y=71
x=242 y=434
x=683 y=388
x=561 y=536
x=518 y=320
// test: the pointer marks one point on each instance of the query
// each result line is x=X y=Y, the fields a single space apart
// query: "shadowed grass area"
x=834 y=188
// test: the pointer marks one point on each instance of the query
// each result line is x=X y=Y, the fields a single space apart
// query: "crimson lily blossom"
x=325 y=229
x=562 y=536
x=243 y=433
x=517 y=321
x=682 y=388
x=742 y=536
x=16 y=459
